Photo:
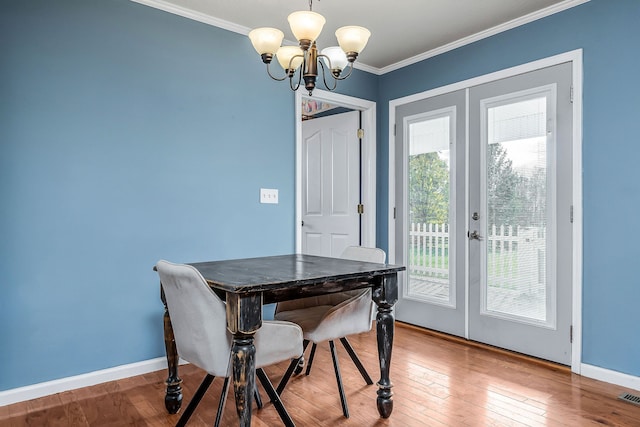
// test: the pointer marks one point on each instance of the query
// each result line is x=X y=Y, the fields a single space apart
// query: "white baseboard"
x=609 y=376
x=34 y=391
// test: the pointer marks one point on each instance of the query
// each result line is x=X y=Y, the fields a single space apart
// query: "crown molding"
x=542 y=13
x=194 y=15
x=230 y=26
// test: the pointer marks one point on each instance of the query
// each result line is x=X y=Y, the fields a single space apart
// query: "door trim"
x=369 y=142
x=575 y=57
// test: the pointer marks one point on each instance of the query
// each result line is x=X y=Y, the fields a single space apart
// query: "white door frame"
x=369 y=141
x=575 y=57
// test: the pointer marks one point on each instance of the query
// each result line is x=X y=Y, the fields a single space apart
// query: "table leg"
x=173 y=396
x=244 y=318
x=385 y=296
x=243 y=370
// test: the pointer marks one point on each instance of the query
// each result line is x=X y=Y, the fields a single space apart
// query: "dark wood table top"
x=275 y=274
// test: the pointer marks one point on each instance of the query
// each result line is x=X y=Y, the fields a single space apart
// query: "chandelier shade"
x=306 y=25
x=352 y=38
x=266 y=40
x=335 y=58
x=290 y=57
x=304 y=60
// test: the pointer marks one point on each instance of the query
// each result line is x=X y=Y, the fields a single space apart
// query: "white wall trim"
x=576 y=350
x=35 y=391
x=230 y=26
x=369 y=143
x=609 y=376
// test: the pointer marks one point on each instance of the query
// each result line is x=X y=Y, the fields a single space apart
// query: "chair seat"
x=307 y=318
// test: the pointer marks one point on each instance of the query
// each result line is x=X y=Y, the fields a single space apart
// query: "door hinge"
x=571 y=94
x=360 y=208
x=571 y=214
x=571 y=334
x=394 y=213
x=360 y=133
x=394 y=129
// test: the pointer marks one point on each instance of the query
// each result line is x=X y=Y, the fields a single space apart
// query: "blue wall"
x=608 y=31
x=127 y=135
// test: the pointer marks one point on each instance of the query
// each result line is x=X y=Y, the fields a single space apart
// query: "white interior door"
x=330 y=184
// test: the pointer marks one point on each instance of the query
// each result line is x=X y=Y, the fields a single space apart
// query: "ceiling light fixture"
x=306 y=27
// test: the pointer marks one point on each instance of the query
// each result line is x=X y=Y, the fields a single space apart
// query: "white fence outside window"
x=515 y=255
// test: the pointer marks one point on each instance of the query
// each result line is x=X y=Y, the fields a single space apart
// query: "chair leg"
x=336 y=368
x=275 y=398
x=356 y=360
x=223 y=400
x=300 y=366
x=287 y=375
x=256 y=396
x=204 y=386
x=311 y=355
x=292 y=366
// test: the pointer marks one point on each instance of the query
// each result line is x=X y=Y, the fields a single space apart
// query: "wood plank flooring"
x=437 y=382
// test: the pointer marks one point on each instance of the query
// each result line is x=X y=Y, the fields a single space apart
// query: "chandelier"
x=306 y=27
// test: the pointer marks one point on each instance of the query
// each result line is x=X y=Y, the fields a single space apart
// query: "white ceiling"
x=403 y=31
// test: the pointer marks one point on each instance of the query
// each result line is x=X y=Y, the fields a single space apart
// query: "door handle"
x=474 y=235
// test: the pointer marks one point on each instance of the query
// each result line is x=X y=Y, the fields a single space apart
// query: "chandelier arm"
x=320 y=55
x=343 y=77
x=272 y=76
x=324 y=78
x=291 y=85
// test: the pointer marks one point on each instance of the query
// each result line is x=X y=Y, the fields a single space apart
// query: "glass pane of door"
x=429 y=189
x=517 y=201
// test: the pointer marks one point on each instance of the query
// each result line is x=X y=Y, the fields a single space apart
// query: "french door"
x=431 y=137
x=484 y=223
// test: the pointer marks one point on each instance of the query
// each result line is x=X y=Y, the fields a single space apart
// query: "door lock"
x=475 y=216
x=474 y=235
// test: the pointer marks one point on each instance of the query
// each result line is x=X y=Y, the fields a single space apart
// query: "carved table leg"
x=244 y=318
x=243 y=369
x=385 y=296
x=173 y=396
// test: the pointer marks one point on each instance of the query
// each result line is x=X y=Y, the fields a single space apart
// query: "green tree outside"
x=428 y=189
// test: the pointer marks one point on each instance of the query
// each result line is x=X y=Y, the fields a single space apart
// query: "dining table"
x=249 y=283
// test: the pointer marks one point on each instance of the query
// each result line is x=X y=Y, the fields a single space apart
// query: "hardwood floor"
x=437 y=382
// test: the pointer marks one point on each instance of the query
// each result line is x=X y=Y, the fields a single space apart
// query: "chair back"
x=198 y=318
x=356 y=253
x=361 y=253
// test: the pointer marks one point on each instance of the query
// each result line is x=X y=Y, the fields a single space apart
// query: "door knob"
x=474 y=235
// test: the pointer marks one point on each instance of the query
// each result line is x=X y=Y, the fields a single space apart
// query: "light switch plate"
x=268 y=195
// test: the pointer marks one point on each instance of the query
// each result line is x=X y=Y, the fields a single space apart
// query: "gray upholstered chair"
x=199 y=323
x=331 y=317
